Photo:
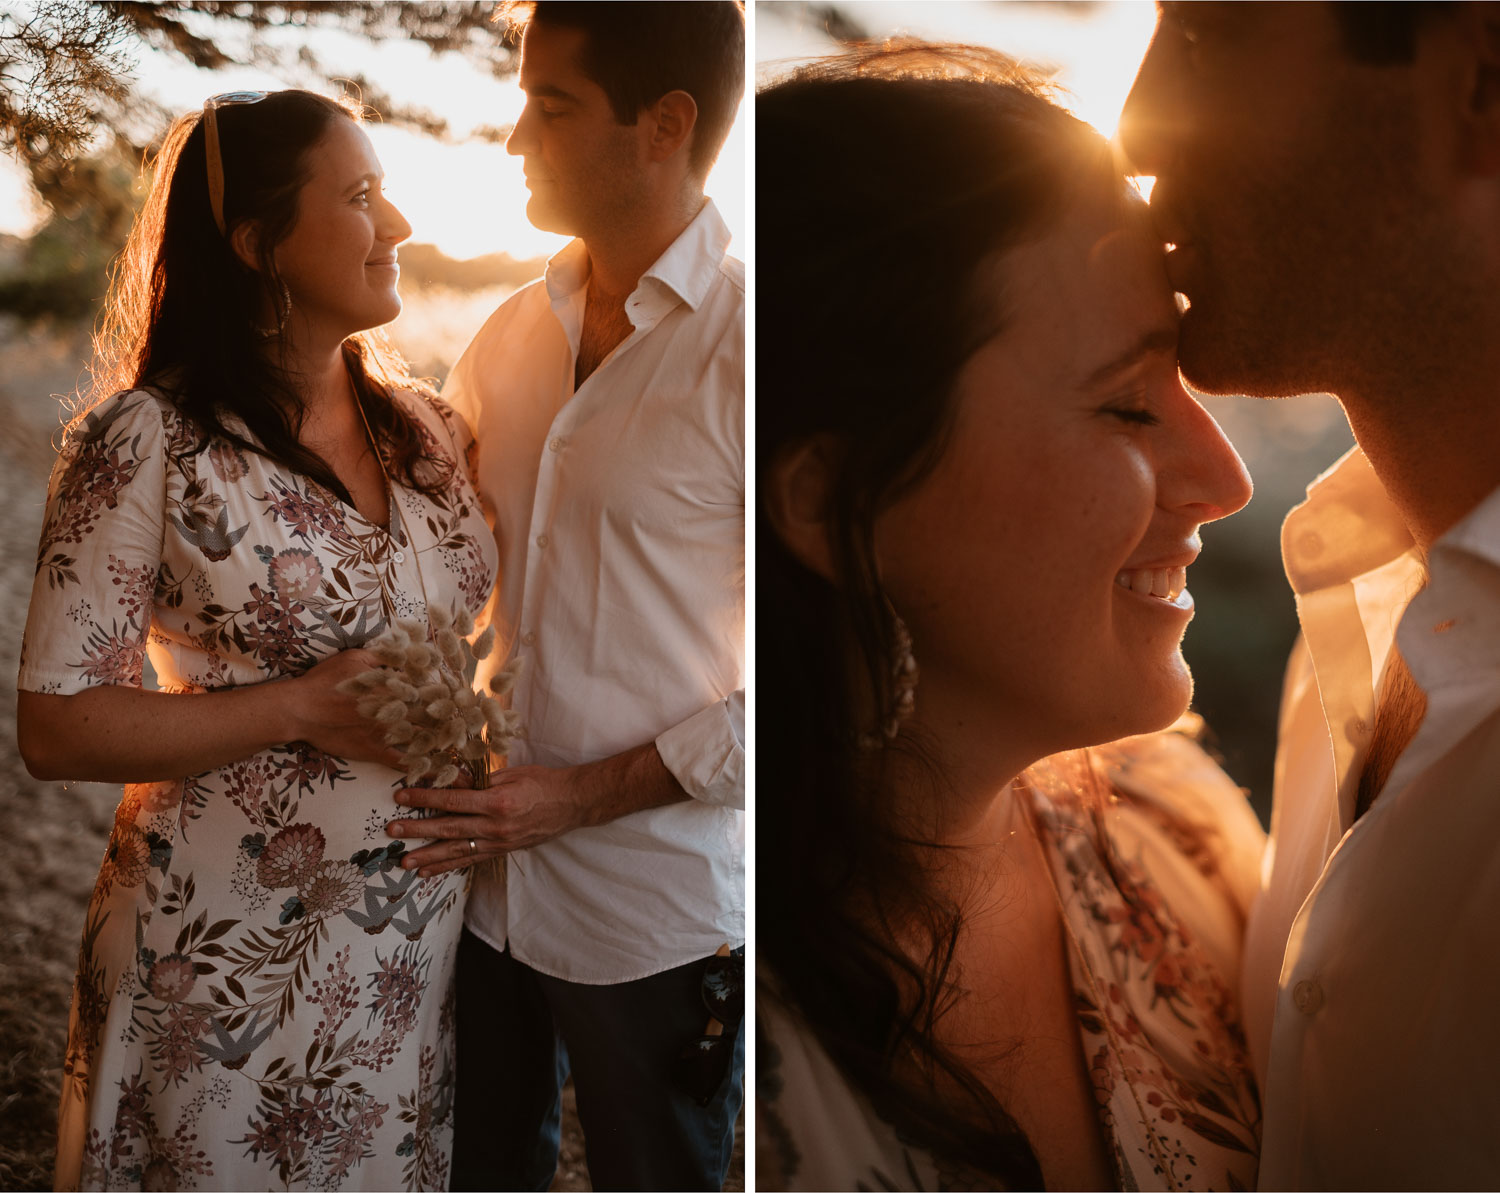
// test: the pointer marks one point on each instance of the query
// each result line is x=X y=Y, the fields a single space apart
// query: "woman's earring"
x=283 y=313
x=904 y=676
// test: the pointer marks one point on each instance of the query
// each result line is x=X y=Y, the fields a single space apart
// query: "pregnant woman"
x=255 y=490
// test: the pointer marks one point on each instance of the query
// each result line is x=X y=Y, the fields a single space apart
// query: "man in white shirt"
x=1330 y=177
x=608 y=402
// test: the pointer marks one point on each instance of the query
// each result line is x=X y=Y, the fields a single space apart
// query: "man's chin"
x=545 y=217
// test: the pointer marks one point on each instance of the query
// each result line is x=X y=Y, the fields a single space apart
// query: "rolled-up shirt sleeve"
x=706 y=752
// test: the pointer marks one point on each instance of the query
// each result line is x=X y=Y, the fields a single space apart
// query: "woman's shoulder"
x=1168 y=786
x=131 y=417
x=435 y=415
x=1171 y=770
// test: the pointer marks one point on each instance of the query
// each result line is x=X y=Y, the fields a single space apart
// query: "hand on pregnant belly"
x=327 y=718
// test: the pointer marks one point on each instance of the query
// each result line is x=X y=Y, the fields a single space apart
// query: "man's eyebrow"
x=547 y=91
x=1160 y=339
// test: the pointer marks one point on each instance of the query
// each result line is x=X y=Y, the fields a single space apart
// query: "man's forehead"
x=551 y=60
x=1266 y=23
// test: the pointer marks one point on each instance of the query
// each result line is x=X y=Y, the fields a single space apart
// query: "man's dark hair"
x=1386 y=34
x=637 y=52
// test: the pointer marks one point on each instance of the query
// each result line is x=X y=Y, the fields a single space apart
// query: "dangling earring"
x=283 y=313
x=904 y=675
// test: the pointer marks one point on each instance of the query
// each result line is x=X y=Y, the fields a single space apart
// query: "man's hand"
x=526 y=805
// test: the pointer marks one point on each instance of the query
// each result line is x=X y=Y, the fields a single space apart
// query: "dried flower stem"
x=421 y=693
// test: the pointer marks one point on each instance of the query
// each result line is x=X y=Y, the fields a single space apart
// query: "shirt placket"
x=540 y=550
x=543 y=528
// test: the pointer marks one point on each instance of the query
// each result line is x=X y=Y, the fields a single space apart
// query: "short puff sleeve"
x=100 y=551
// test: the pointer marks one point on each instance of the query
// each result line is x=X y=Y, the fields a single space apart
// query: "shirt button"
x=399 y=556
x=1307 y=996
x=556 y=444
x=528 y=637
x=542 y=540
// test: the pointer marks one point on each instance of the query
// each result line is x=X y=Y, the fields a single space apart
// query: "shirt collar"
x=687 y=269
x=1477 y=533
x=1347 y=526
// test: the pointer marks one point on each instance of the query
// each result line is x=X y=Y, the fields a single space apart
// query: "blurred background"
x=86 y=92
x=1246 y=621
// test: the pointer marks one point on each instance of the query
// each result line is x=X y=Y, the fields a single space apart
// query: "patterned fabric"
x=263 y=994
x=1153 y=880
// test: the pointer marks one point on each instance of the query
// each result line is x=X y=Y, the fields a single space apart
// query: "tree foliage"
x=61 y=65
x=67 y=66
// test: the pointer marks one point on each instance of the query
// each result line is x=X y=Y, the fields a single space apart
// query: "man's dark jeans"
x=520 y=1032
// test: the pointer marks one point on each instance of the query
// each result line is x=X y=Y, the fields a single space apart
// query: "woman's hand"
x=325 y=717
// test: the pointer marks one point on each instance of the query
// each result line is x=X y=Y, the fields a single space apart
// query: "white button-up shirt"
x=1372 y=961
x=619 y=511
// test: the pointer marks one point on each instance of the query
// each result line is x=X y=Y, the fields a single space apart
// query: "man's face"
x=585 y=170
x=1290 y=178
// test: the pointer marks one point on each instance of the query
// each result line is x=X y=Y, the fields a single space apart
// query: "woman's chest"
x=262 y=567
x=1021 y=1035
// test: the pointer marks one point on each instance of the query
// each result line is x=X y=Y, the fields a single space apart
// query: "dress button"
x=542 y=540
x=1308 y=996
x=528 y=637
x=556 y=444
x=399 y=556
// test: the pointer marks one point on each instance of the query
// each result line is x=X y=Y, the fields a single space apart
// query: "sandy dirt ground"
x=53 y=834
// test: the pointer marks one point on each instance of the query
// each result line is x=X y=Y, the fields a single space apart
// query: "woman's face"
x=1039 y=567
x=339 y=261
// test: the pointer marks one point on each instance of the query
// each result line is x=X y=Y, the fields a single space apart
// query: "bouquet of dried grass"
x=422 y=693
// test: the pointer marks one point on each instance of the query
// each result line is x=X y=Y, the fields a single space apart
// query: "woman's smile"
x=1166 y=585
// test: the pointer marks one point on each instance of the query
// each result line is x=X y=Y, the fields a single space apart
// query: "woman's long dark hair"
x=889 y=181
x=182 y=308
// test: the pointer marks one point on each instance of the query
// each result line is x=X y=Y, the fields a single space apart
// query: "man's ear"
x=672 y=120
x=796 y=494
x=1481 y=132
x=244 y=242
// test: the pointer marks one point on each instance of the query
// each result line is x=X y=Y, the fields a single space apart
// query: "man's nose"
x=520 y=141
x=1154 y=115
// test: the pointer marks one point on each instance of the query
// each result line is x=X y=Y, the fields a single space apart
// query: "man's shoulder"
x=515 y=321
x=733 y=270
x=526 y=303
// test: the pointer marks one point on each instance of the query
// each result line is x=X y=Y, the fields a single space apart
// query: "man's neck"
x=1433 y=445
x=619 y=256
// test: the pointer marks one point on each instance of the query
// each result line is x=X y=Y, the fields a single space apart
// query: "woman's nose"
x=1205 y=475
x=395 y=227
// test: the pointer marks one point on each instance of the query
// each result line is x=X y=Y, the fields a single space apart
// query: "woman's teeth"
x=1164 y=583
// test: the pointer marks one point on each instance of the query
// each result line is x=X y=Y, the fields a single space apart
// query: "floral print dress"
x=1153 y=879
x=264 y=997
